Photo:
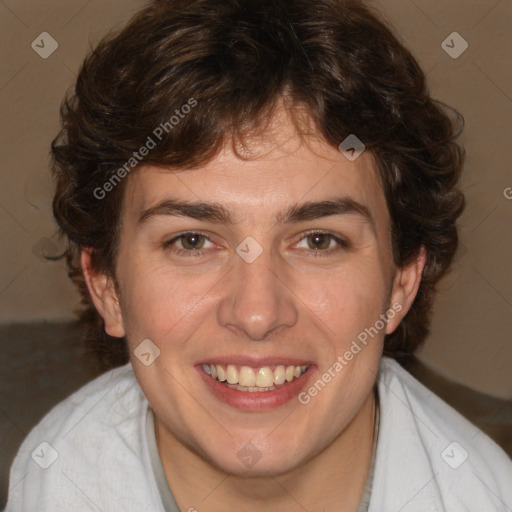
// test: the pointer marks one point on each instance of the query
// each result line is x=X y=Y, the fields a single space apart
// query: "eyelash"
x=342 y=244
x=183 y=252
x=315 y=253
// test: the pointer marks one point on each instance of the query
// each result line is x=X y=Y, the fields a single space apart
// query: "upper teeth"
x=247 y=376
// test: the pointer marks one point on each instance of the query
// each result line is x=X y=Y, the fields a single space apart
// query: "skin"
x=295 y=300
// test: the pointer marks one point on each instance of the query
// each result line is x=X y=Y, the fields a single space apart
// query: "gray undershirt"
x=168 y=501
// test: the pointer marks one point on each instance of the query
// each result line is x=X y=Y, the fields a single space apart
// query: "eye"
x=191 y=242
x=320 y=241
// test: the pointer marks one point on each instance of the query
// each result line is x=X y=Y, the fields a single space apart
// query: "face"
x=263 y=273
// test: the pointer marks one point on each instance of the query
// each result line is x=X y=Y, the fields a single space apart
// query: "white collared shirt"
x=90 y=453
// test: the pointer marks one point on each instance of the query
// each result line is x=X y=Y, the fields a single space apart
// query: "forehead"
x=278 y=169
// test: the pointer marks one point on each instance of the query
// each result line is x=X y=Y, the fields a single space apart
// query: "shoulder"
x=82 y=448
x=425 y=442
x=100 y=403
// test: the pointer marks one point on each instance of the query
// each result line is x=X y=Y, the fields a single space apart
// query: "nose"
x=257 y=299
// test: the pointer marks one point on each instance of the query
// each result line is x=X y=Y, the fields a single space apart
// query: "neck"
x=332 y=480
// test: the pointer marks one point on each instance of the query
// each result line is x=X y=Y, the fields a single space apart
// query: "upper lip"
x=256 y=362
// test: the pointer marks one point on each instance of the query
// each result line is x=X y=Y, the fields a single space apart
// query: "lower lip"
x=256 y=400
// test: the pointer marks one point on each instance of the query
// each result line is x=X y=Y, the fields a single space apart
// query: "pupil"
x=319 y=241
x=192 y=242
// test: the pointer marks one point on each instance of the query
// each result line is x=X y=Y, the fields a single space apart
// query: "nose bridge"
x=256 y=300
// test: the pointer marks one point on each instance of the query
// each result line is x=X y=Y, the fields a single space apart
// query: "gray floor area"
x=43 y=363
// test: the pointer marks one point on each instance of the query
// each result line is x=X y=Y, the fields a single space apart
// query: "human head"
x=331 y=61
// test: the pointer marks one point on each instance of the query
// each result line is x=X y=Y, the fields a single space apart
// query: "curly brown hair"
x=335 y=59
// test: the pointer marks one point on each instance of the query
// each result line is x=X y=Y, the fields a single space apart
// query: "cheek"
x=346 y=300
x=161 y=304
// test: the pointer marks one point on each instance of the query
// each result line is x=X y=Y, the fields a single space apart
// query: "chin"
x=257 y=458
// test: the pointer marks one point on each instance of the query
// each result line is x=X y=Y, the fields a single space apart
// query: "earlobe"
x=405 y=287
x=103 y=294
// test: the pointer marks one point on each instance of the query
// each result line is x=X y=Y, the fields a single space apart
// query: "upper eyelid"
x=340 y=240
x=320 y=232
x=182 y=235
x=185 y=233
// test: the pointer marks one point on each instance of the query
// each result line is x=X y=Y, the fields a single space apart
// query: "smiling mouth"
x=247 y=378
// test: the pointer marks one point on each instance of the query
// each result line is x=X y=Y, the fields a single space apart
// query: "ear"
x=104 y=296
x=405 y=287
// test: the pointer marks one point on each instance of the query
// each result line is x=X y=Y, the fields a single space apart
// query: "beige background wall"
x=472 y=332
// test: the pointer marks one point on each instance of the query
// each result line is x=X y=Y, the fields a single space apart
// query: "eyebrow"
x=214 y=212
